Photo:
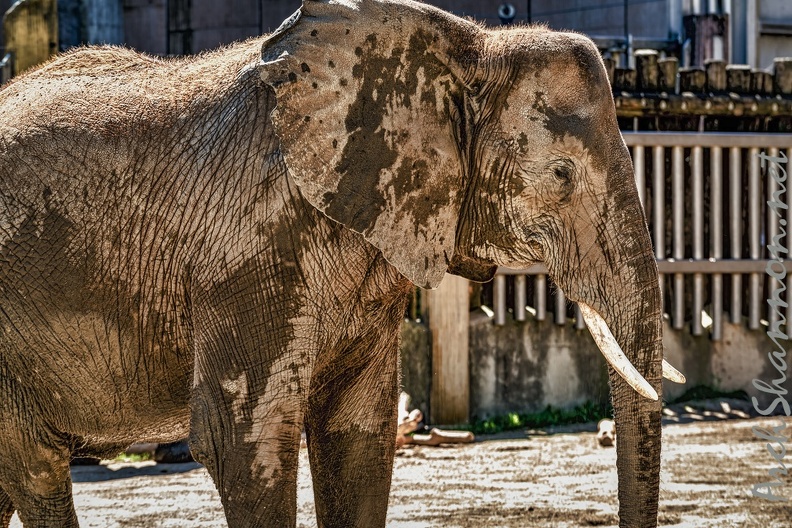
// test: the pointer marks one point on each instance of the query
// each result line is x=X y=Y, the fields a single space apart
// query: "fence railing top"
x=707 y=139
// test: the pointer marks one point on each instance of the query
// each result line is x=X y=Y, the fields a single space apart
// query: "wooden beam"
x=738 y=78
x=668 y=69
x=624 y=79
x=782 y=76
x=646 y=70
x=716 y=75
x=449 y=317
x=689 y=104
x=692 y=80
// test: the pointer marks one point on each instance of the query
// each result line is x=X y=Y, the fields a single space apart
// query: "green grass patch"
x=588 y=412
x=133 y=457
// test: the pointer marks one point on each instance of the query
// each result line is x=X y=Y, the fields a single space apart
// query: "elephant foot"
x=38 y=486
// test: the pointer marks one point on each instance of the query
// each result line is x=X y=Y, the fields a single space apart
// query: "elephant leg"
x=6 y=509
x=351 y=432
x=245 y=428
x=39 y=488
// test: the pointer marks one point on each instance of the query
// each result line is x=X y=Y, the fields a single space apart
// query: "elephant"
x=223 y=246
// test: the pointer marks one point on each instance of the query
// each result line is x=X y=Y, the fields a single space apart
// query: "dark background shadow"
x=102 y=473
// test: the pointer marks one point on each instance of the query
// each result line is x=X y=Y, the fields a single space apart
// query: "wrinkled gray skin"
x=166 y=260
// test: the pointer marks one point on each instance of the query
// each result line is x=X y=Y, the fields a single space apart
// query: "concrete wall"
x=730 y=364
x=527 y=366
x=605 y=17
x=198 y=25
x=769 y=45
x=523 y=367
x=90 y=22
x=213 y=23
x=145 y=25
x=649 y=20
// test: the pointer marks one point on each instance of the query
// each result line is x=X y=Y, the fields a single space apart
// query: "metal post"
x=261 y=17
x=697 y=160
x=580 y=324
x=520 y=296
x=787 y=244
x=716 y=231
x=658 y=209
x=540 y=290
x=755 y=226
x=167 y=27
x=772 y=231
x=639 y=165
x=560 y=308
x=678 y=222
x=627 y=28
x=735 y=228
x=499 y=299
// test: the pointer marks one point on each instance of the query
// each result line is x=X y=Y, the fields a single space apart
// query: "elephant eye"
x=563 y=172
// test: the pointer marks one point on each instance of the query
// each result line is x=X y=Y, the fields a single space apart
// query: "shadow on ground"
x=116 y=471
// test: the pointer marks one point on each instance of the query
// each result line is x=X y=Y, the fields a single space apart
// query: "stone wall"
x=527 y=366
x=524 y=367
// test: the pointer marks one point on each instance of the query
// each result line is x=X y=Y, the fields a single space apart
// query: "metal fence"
x=706 y=199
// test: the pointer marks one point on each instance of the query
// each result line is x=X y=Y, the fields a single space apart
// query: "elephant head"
x=451 y=147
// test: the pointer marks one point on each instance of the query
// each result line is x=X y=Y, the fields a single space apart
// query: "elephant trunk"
x=634 y=312
x=617 y=280
x=638 y=417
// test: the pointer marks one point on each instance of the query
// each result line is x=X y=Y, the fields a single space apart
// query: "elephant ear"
x=364 y=105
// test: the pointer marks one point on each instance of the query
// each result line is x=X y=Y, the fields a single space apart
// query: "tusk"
x=613 y=352
x=672 y=374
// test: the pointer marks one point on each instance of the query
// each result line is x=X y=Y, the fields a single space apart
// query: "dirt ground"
x=543 y=479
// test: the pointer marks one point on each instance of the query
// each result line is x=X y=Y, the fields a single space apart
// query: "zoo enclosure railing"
x=705 y=196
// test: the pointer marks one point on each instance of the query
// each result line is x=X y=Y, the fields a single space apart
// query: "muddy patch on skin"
x=387 y=83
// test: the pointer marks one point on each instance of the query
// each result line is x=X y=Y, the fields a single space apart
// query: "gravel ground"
x=537 y=478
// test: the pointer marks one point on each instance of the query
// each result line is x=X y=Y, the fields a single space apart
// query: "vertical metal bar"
x=771 y=232
x=580 y=324
x=678 y=223
x=735 y=228
x=697 y=160
x=560 y=308
x=755 y=234
x=716 y=231
x=658 y=208
x=788 y=242
x=540 y=290
x=639 y=165
x=260 y=13
x=520 y=296
x=499 y=299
